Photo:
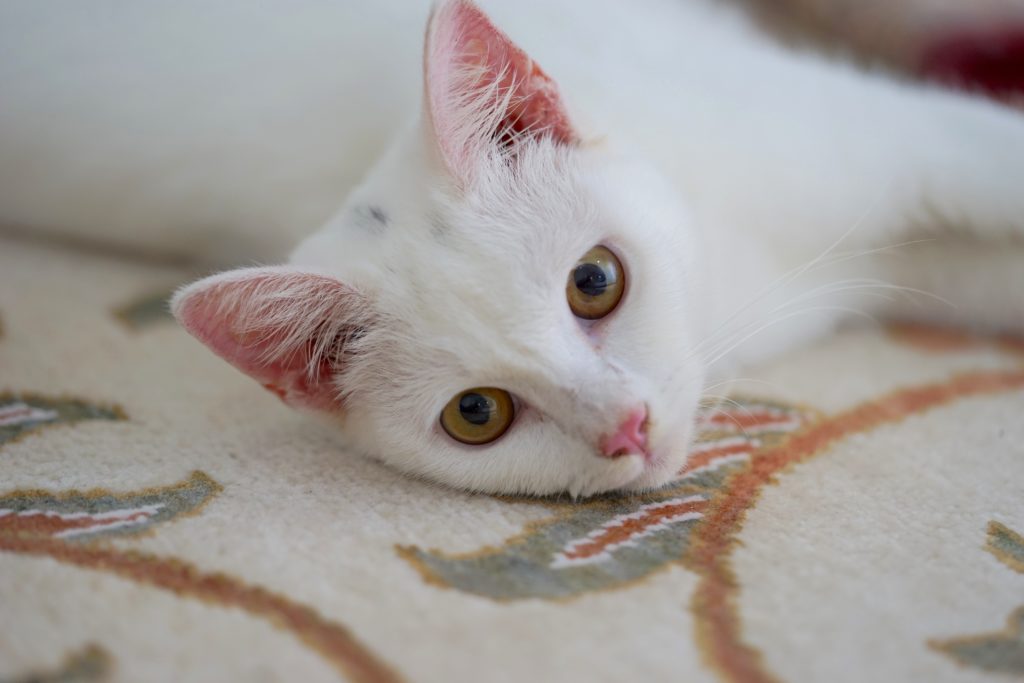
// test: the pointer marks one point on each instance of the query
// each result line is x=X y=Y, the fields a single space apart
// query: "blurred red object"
x=990 y=60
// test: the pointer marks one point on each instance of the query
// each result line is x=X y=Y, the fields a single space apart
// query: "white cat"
x=531 y=288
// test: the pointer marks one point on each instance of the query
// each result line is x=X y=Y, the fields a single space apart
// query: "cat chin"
x=609 y=476
x=661 y=469
x=654 y=476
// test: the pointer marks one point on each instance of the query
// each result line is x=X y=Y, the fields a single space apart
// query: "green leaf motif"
x=76 y=516
x=999 y=651
x=1006 y=545
x=22 y=413
x=147 y=311
x=92 y=663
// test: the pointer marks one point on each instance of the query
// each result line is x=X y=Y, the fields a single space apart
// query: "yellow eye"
x=596 y=284
x=478 y=416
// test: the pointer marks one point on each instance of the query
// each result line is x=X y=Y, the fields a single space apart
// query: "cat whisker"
x=843 y=257
x=799 y=271
x=864 y=285
x=813 y=309
x=737 y=380
x=722 y=398
x=719 y=411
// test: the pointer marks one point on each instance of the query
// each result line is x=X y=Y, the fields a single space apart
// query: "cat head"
x=507 y=304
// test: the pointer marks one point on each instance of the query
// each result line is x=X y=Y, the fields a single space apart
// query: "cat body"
x=749 y=198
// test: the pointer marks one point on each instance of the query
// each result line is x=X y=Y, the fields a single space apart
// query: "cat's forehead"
x=516 y=222
x=487 y=274
x=540 y=207
x=485 y=271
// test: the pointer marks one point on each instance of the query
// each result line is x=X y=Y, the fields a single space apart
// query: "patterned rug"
x=857 y=513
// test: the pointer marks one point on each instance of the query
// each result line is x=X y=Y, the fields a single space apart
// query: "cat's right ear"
x=289 y=329
x=483 y=94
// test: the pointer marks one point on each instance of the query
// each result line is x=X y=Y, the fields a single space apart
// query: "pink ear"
x=482 y=89
x=284 y=327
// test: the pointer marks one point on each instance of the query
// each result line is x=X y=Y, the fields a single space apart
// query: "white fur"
x=752 y=193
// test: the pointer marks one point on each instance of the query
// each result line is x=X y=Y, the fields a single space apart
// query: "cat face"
x=503 y=306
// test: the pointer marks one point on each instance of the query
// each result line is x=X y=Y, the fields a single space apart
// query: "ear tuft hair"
x=484 y=94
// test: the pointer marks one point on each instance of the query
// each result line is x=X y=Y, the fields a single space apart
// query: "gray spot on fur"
x=371 y=218
x=439 y=229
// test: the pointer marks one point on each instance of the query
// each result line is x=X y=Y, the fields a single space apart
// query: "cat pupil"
x=590 y=279
x=475 y=409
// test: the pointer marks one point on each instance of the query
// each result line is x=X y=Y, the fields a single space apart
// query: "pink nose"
x=629 y=438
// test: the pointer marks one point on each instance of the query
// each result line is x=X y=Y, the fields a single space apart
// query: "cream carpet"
x=856 y=515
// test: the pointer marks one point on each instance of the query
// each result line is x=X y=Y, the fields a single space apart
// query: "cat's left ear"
x=291 y=330
x=483 y=93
